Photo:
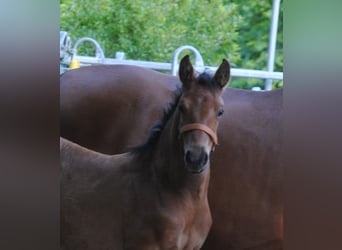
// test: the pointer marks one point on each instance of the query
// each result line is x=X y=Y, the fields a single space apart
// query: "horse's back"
x=93 y=98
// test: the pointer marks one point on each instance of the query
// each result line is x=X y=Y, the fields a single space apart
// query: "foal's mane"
x=205 y=79
x=158 y=126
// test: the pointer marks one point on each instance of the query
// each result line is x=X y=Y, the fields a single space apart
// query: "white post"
x=272 y=41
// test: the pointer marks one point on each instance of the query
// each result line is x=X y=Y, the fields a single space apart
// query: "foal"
x=155 y=196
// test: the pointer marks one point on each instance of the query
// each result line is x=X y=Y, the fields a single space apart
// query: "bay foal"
x=155 y=196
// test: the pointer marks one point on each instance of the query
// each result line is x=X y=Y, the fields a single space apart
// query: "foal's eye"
x=220 y=112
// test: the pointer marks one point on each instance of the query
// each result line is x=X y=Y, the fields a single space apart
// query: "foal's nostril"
x=190 y=157
x=196 y=159
x=205 y=160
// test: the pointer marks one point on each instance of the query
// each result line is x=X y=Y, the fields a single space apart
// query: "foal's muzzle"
x=196 y=157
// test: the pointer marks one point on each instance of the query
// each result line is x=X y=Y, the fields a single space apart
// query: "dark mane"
x=158 y=126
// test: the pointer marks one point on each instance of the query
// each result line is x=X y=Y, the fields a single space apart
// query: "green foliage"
x=152 y=30
x=254 y=38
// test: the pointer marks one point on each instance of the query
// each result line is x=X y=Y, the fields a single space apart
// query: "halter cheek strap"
x=204 y=128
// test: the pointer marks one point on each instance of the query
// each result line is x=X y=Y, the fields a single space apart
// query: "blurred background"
x=152 y=30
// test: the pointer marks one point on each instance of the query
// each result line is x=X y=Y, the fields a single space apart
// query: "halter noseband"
x=204 y=128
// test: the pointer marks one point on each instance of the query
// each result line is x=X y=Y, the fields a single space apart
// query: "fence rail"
x=67 y=55
x=235 y=72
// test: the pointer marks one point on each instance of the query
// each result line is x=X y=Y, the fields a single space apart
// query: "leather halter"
x=204 y=128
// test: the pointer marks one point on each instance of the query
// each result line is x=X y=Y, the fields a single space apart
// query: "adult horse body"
x=246 y=196
x=155 y=196
x=245 y=193
x=97 y=112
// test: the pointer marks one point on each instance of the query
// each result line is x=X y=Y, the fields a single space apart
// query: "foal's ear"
x=186 y=71
x=222 y=74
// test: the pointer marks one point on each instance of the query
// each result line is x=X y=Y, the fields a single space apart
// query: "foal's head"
x=200 y=106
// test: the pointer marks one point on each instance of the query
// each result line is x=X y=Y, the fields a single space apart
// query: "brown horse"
x=155 y=196
x=90 y=112
x=108 y=108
